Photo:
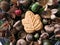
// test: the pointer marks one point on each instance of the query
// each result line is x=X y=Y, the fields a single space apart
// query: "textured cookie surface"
x=32 y=22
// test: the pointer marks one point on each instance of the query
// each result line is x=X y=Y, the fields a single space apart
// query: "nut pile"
x=30 y=22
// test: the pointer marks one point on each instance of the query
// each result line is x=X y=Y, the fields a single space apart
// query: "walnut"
x=32 y=22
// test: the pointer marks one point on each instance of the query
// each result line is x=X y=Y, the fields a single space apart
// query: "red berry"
x=18 y=12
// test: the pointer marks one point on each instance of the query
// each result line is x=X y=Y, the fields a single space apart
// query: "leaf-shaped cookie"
x=32 y=22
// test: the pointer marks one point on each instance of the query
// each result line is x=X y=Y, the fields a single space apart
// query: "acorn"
x=29 y=37
x=21 y=42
